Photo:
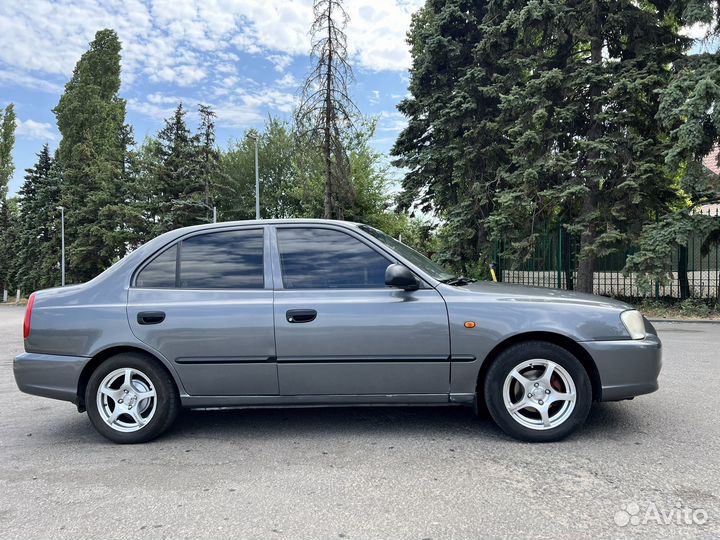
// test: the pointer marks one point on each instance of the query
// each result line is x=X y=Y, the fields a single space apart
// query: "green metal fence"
x=553 y=263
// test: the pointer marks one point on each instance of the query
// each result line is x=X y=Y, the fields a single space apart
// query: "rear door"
x=205 y=303
x=340 y=331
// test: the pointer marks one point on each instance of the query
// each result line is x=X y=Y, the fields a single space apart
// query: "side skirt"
x=208 y=402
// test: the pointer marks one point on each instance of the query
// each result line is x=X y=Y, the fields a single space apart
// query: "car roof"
x=298 y=221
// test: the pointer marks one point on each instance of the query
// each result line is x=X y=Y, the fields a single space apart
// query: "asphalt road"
x=639 y=468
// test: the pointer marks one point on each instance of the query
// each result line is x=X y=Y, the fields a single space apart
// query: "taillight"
x=28 y=316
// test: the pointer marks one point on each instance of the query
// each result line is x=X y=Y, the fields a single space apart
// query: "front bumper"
x=49 y=375
x=627 y=368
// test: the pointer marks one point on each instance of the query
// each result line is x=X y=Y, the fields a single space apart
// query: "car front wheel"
x=537 y=391
x=131 y=399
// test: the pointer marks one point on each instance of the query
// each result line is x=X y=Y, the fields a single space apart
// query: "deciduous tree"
x=92 y=154
x=7 y=168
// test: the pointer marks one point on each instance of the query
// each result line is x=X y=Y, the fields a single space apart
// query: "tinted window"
x=160 y=272
x=222 y=260
x=323 y=258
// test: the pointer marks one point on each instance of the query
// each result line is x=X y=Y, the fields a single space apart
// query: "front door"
x=205 y=303
x=340 y=331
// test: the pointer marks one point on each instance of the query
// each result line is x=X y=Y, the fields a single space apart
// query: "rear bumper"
x=49 y=375
x=627 y=368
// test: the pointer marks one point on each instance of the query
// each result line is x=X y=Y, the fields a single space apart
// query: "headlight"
x=634 y=323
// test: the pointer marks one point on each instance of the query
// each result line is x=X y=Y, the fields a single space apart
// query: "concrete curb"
x=693 y=321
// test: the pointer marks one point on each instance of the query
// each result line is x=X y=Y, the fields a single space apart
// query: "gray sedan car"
x=313 y=312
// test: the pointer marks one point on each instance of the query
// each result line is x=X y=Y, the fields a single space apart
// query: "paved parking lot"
x=639 y=468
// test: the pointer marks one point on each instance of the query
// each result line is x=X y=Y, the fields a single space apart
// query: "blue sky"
x=246 y=58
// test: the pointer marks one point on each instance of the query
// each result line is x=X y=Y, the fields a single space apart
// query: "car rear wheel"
x=131 y=399
x=537 y=391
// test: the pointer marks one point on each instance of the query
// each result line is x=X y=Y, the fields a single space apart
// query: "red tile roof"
x=711 y=161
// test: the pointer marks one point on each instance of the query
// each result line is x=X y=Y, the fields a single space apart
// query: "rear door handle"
x=301 y=315
x=150 y=317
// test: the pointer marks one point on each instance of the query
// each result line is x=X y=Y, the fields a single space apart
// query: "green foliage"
x=659 y=240
x=92 y=157
x=671 y=308
x=453 y=144
x=176 y=175
x=292 y=178
x=524 y=114
x=7 y=214
x=7 y=142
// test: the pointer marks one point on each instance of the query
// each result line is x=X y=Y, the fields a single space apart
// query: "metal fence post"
x=559 y=257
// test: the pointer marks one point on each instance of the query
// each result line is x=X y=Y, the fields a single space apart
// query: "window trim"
x=268 y=278
x=277 y=260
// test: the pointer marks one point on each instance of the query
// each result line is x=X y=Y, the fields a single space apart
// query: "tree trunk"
x=327 y=128
x=586 y=265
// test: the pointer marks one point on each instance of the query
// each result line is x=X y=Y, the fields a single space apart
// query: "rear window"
x=220 y=260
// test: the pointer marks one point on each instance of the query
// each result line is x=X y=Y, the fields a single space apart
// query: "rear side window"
x=160 y=273
x=328 y=259
x=224 y=260
x=221 y=260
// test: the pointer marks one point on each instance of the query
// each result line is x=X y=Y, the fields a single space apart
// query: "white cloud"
x=696 y=31
x=179 y=41
x=30 y=129
x=234 y=108
x=280 y=61
x=287 y=81
x=193 y=48
x=15 y=78
x=391 y=122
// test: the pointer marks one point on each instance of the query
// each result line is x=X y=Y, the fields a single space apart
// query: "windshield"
x=421 y=261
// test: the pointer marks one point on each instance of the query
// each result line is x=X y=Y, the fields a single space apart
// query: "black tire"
x=514 y=356
x=167 y=403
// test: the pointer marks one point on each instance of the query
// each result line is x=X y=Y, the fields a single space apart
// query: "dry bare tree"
x=326 y=112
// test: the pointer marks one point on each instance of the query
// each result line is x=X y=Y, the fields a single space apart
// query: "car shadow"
x=606 y=420
x=337 y=421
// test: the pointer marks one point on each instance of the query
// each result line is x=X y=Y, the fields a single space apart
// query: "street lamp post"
x=62 y=245
x=257 y=178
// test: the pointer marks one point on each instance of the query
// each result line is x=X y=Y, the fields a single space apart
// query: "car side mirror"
x=400 y=277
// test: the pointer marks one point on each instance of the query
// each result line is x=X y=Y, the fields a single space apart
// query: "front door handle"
x=301 y=315
x=150 y=317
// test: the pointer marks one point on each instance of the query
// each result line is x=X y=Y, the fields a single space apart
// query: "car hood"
x=525 y=293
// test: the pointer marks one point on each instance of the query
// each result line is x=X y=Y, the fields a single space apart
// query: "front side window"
x=328 y=259
x=419 y=260
x=219 y=260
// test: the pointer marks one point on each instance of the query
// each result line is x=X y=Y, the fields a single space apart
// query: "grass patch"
x=671 y=308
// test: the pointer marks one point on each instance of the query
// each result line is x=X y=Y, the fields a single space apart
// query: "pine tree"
x=326 y=112
x=92 y=154
x=453 y=143
x=584 y=112
x=215 y=183
x=39 y=226
x=583 y=127
x=689 y=110
x=175 y=185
